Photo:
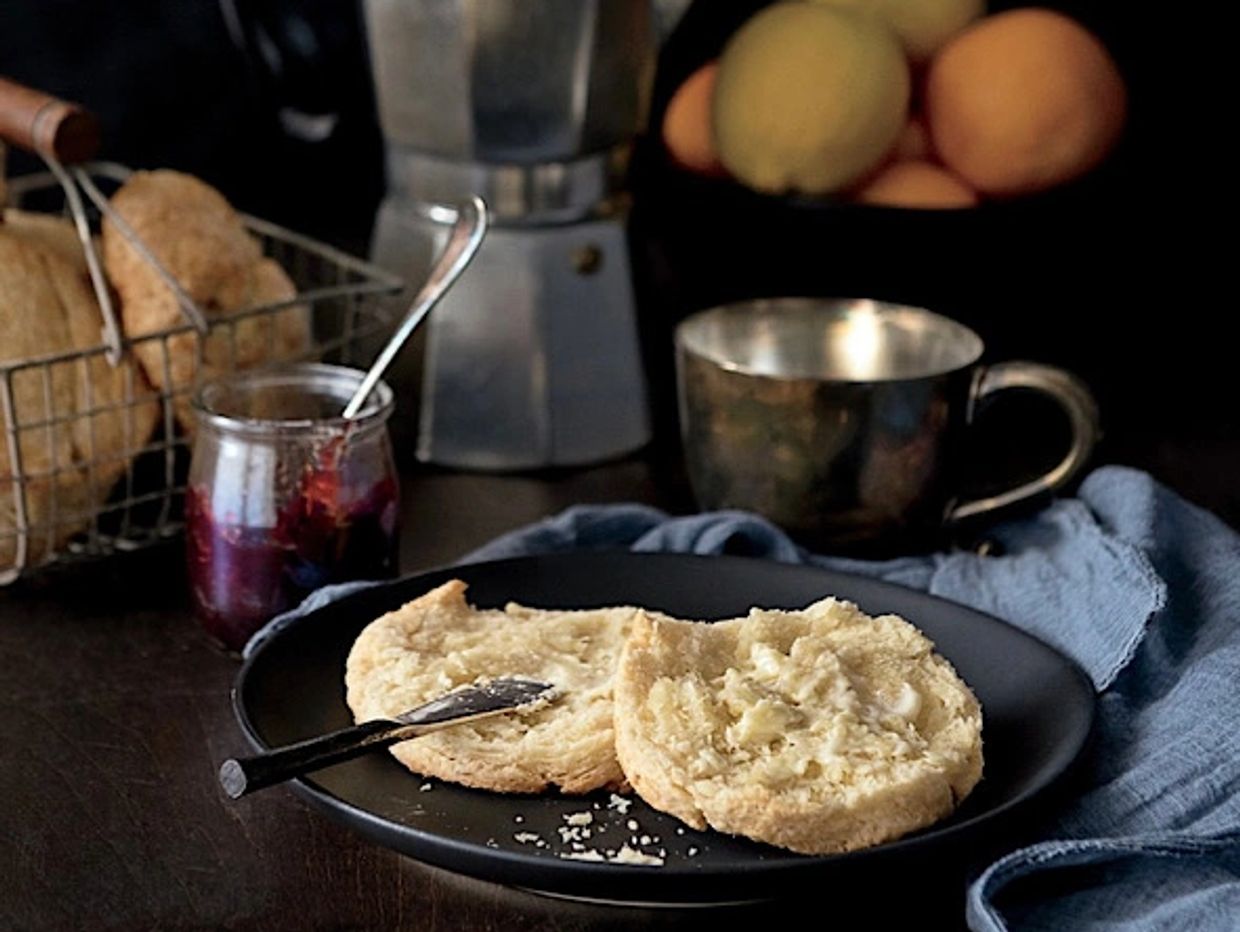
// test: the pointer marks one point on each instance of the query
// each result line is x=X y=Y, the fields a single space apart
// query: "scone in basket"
x=95 y=425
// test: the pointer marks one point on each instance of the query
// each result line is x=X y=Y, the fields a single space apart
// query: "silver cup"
x=843 y=421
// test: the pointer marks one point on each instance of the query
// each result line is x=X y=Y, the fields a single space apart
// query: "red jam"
x=334 y=527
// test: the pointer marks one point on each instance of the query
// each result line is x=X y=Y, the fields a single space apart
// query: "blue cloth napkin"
x=1143 y=590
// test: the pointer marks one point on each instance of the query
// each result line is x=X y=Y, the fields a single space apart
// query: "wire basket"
x=92 y=505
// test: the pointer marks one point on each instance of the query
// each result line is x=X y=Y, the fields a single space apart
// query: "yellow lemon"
x=809 y=98
x=923 y=26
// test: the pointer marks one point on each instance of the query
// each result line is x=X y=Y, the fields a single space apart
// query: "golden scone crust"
x=46 y=308
x=203 y=243
x=438 y=642
x=50 y=233
x=821 y=731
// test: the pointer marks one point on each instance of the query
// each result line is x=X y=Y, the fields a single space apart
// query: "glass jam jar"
x=285 y=495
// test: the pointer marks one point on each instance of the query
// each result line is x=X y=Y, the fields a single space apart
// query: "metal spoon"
x=241 y=775
x=463 y=242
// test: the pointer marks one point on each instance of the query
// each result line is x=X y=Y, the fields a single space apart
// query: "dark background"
x=1113 y=277
x=114 y=708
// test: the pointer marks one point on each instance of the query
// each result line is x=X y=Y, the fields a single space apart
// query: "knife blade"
x=241 y=775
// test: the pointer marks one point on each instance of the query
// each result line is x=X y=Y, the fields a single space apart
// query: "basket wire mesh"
x=80 y=506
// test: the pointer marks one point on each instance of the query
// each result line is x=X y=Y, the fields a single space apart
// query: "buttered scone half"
x=822 y=731
x=439 y=642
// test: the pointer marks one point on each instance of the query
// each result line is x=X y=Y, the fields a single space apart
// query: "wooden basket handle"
x=47 y=125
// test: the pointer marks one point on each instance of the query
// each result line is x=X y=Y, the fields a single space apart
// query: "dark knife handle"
x=242 y=775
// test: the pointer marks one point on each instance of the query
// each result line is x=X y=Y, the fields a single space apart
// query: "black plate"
x=1038 y=708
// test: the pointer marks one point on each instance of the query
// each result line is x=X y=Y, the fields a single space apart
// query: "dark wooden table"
x=114 y=714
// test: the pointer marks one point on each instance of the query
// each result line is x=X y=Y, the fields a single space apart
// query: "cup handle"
x=1077 y=402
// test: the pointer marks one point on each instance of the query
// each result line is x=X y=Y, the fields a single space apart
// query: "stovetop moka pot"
x=533 y=359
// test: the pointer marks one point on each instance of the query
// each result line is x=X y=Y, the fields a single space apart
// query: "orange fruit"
x=688 y=128
x=916 y=184
x=914 y=141
x=1023 y=101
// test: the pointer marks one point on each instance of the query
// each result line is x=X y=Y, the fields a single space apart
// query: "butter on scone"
x=823 y=730
x=439 y=642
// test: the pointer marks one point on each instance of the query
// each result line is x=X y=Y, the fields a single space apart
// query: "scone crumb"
x=627 y=855
x=692 y=852
x=525 y=838
x=619 y=803
x=588 y=855
x=425 y=788
x=633 y=825
x=579 y=818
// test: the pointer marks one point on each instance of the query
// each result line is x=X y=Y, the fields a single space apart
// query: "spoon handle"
x=463 y=242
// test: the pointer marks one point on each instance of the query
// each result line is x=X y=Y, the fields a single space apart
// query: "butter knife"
x=241 y=775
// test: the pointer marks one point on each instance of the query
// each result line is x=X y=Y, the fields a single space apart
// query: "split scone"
x=50 y=233
x=203 y=243
x=439 y=642
x=822 y=730
x=78 y=421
